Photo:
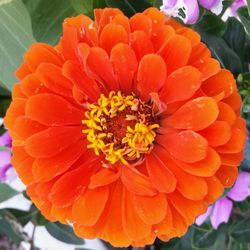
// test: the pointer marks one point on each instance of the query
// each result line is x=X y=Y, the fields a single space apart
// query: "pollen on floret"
x=121 y=127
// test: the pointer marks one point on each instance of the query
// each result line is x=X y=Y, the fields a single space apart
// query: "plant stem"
x=32 y=238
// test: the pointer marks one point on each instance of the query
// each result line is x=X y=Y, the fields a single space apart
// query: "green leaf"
x=82 y=6
x=6 y=192
x=203 y=237
x=16 y=37
x=244 y=206
x=4 y=91
x=221 y=51
x=22 y=216
x=10 y=227
x=235 y=36
x=211 y=24
x=245 y=18
x=40 y=220
x=245 y=165
x=47 y=17
x=63 y=233
x=87 y=7
x=129 y=7
x=241 y=231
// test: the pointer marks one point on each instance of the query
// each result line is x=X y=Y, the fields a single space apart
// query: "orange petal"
x=227 y=175
x=16 y=108
x=103 y=177
x=25 y=127
x=31 y=85
x=41 y=53
x=86 y=210
x=51 y=76
x=232 y=159
x=151 y=210
x=176 y=52
x=98 y=63
x=88 y=86
x=24 y=170
x=223 y=82
x=59 y=163
x=22 y=71
x=190 y=34
x=181 y=84
x=123 y=21
x=65 y=191
x=151 y=75
x=235 y=144
x=179 y=224
x=226 y=113
x=204 y=168
x=208 y=67
x=157 y=17
x=199 y=52
x=140 y=43
x=165 y=226
x=196 y=114
x=187 y=208
x=57 y=139
x=161 y=36
x=111 y=35
x=217 y=134
x=133 y=225
x=141 y=22
x=62 y=214
x=50 y=109
x=186 y=146
x=162 y=178
x=125 y=65
x=190 y=186
x=112 y=229
x=234 y=100
x=215 y=189
x=136 y=182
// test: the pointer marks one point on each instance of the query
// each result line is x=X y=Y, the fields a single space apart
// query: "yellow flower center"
x=122 y=127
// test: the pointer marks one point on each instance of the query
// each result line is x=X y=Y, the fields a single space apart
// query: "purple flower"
x=236 y=5
x=188 y=10
x=7 y=172
x=220 y=212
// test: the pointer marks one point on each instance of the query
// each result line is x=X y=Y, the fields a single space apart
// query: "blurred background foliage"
x=23 y=22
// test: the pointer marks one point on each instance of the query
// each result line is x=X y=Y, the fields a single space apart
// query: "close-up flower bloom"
x=188 y=11
x=220 y=212
x=128 y=128
x=7 y=173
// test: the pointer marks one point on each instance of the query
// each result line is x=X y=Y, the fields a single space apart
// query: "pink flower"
x=188 y=10
x=220 y=212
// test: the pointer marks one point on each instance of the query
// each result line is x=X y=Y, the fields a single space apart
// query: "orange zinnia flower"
x=127 y=129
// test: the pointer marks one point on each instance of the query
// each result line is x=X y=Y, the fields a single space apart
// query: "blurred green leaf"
x=10 y=227
x=204 y=237
x=241 y=231
x=129 y=7
x=22 y=216
x=47 y=17
x=245 y=18
x=4 y=91
x=87 y=7
x=211 y=24
x=63 y=233
x=6 y=192
x=40 y=220
x=235 y=36
x=244 y=206
x=221 y=51
x=16 y=37
x=245 y=165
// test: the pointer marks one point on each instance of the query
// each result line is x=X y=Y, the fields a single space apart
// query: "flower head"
x=220 y=212
x=188 y=10
x=127 y=129
x=7 y=172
